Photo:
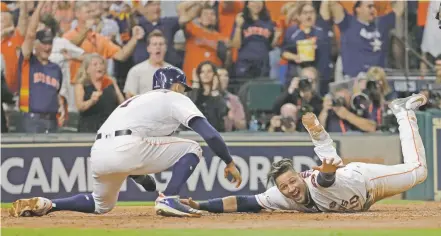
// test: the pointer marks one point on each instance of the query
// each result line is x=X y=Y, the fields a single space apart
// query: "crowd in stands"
x=79 y=60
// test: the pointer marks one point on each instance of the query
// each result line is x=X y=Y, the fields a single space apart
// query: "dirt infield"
x=423 y=215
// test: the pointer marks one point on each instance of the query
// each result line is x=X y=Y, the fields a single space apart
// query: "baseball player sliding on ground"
x=134 y=141
x=333 y=187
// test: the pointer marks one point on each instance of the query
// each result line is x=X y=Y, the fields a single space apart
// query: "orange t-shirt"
x=93 y=43
x=10 y=49
x=200 y=46
x=4 y=7
x=423 y=5
x=226 y=22
x=275 y=9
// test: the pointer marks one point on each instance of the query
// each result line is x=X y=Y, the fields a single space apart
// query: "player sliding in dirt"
x=333 y=187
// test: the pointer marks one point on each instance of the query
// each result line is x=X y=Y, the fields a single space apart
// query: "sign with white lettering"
x=63 y=169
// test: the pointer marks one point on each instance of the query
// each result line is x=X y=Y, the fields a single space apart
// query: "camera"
x=373 y=92
x=360 y=103
x=305 y=84
x=371 y=85
x=338 y=102
x=390 y=123
x=287 y=122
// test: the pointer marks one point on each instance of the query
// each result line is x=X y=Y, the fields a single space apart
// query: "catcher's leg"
x=320 y=138
x=386 y=181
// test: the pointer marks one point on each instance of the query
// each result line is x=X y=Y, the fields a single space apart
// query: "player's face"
x=292 y=186
x=157 y=49
x=255 y=7
x=96 y=68
x=307 y=16
x=207 y=74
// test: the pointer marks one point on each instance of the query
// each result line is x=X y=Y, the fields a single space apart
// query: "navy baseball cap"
x=45 y=36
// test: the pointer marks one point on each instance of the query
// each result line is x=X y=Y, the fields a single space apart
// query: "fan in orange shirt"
x=202 y=41
x=12 y=39
x=227 y=12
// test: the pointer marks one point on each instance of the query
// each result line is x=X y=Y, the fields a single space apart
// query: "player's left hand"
x=232 y=169
x=329 y=165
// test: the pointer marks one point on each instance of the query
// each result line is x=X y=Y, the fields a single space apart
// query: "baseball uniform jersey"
x=359 y=185
x=152 y=117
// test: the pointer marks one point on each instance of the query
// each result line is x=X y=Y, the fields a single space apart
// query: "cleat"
x=36 y=206
x=172 y=207
x=315 y=129
x=408 y=103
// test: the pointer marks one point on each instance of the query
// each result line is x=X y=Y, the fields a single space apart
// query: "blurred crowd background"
x=253 y=65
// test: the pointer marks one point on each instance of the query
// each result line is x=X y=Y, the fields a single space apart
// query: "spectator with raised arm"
x=85 y=35
x=206 y=95
x=364 y=36
x=149 y=18
x=203 y=41
x=40 y=80
x=12 y=39
x=96 y=94
x=253 y=35
x=305 y=44
x=63 y=51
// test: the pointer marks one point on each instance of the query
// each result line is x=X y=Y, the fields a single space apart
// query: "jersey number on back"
x=126 y=103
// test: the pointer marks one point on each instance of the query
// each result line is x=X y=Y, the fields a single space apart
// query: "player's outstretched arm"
x=326 y=177
x=214 y=140
x=229 y=204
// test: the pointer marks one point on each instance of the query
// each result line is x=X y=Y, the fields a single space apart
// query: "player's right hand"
x=232 y=169
x=329 y=165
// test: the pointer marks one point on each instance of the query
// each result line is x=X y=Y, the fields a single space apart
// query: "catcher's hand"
x=189 y=202
x=231 y=169
x=328 y=165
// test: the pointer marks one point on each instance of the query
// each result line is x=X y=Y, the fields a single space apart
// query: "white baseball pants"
x=113 y=159
x=384 y=181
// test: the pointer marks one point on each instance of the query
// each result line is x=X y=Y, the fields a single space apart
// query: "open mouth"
x=296 y=193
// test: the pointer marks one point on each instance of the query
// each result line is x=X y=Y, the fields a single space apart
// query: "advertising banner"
x=56 y=170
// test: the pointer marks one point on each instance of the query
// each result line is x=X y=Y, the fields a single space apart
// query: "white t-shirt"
x=432 y=34
x=140 y=78
x=57 y=57
x=154 y=114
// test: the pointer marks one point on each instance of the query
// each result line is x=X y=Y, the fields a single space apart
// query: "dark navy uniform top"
x=39 y=85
